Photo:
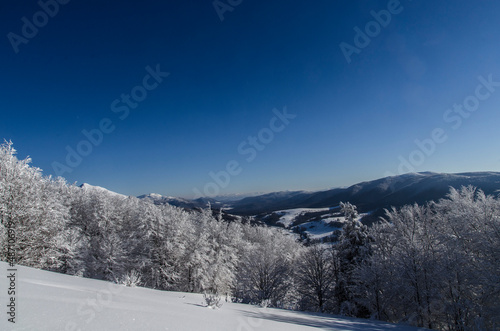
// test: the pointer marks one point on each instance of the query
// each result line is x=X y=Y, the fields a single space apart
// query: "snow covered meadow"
x=51 y=301
x=320 y=223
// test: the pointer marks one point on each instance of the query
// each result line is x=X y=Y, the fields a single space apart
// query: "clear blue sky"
x=354 y=121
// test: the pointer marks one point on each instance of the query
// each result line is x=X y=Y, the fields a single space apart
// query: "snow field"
x=52 y=301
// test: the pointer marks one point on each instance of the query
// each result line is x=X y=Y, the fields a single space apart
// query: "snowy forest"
x=435 y=266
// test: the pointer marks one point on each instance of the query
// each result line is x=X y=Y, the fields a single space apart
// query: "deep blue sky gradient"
x=353 y=120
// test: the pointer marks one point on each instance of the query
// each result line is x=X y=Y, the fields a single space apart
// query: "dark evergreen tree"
x=352 y=249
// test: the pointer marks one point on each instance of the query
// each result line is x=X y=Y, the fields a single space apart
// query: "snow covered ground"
x=322 y=228
x=290 y=215
x=51 y=301
x=323 y=222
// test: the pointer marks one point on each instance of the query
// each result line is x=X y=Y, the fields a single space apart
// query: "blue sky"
x=353 y=121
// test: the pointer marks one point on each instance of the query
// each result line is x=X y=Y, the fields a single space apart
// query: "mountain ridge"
x=369 y=195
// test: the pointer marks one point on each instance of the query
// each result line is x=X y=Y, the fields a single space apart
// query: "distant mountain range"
x=317 y=214
x=181 y=202
x=368 y=196
x=372 y=195
x=217 y=202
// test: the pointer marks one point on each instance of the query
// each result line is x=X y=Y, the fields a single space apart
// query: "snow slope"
x=322 y=228
x=288 y=216
x=88 y=187
x=51 y=301
x=320 y=222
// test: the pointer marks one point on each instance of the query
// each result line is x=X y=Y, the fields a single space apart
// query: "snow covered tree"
x=219 y=275
x=444 y=257
x=315 y=278
x=376 y=274
x=64 y=257
x=267 y=271
x=31 y=213
x=469 y=228
x=211 y=254
x=415 y=257
x=351 y=250
x=170 y=231
x=94 y=214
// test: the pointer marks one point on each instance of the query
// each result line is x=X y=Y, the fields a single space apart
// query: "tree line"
x=435 y=266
